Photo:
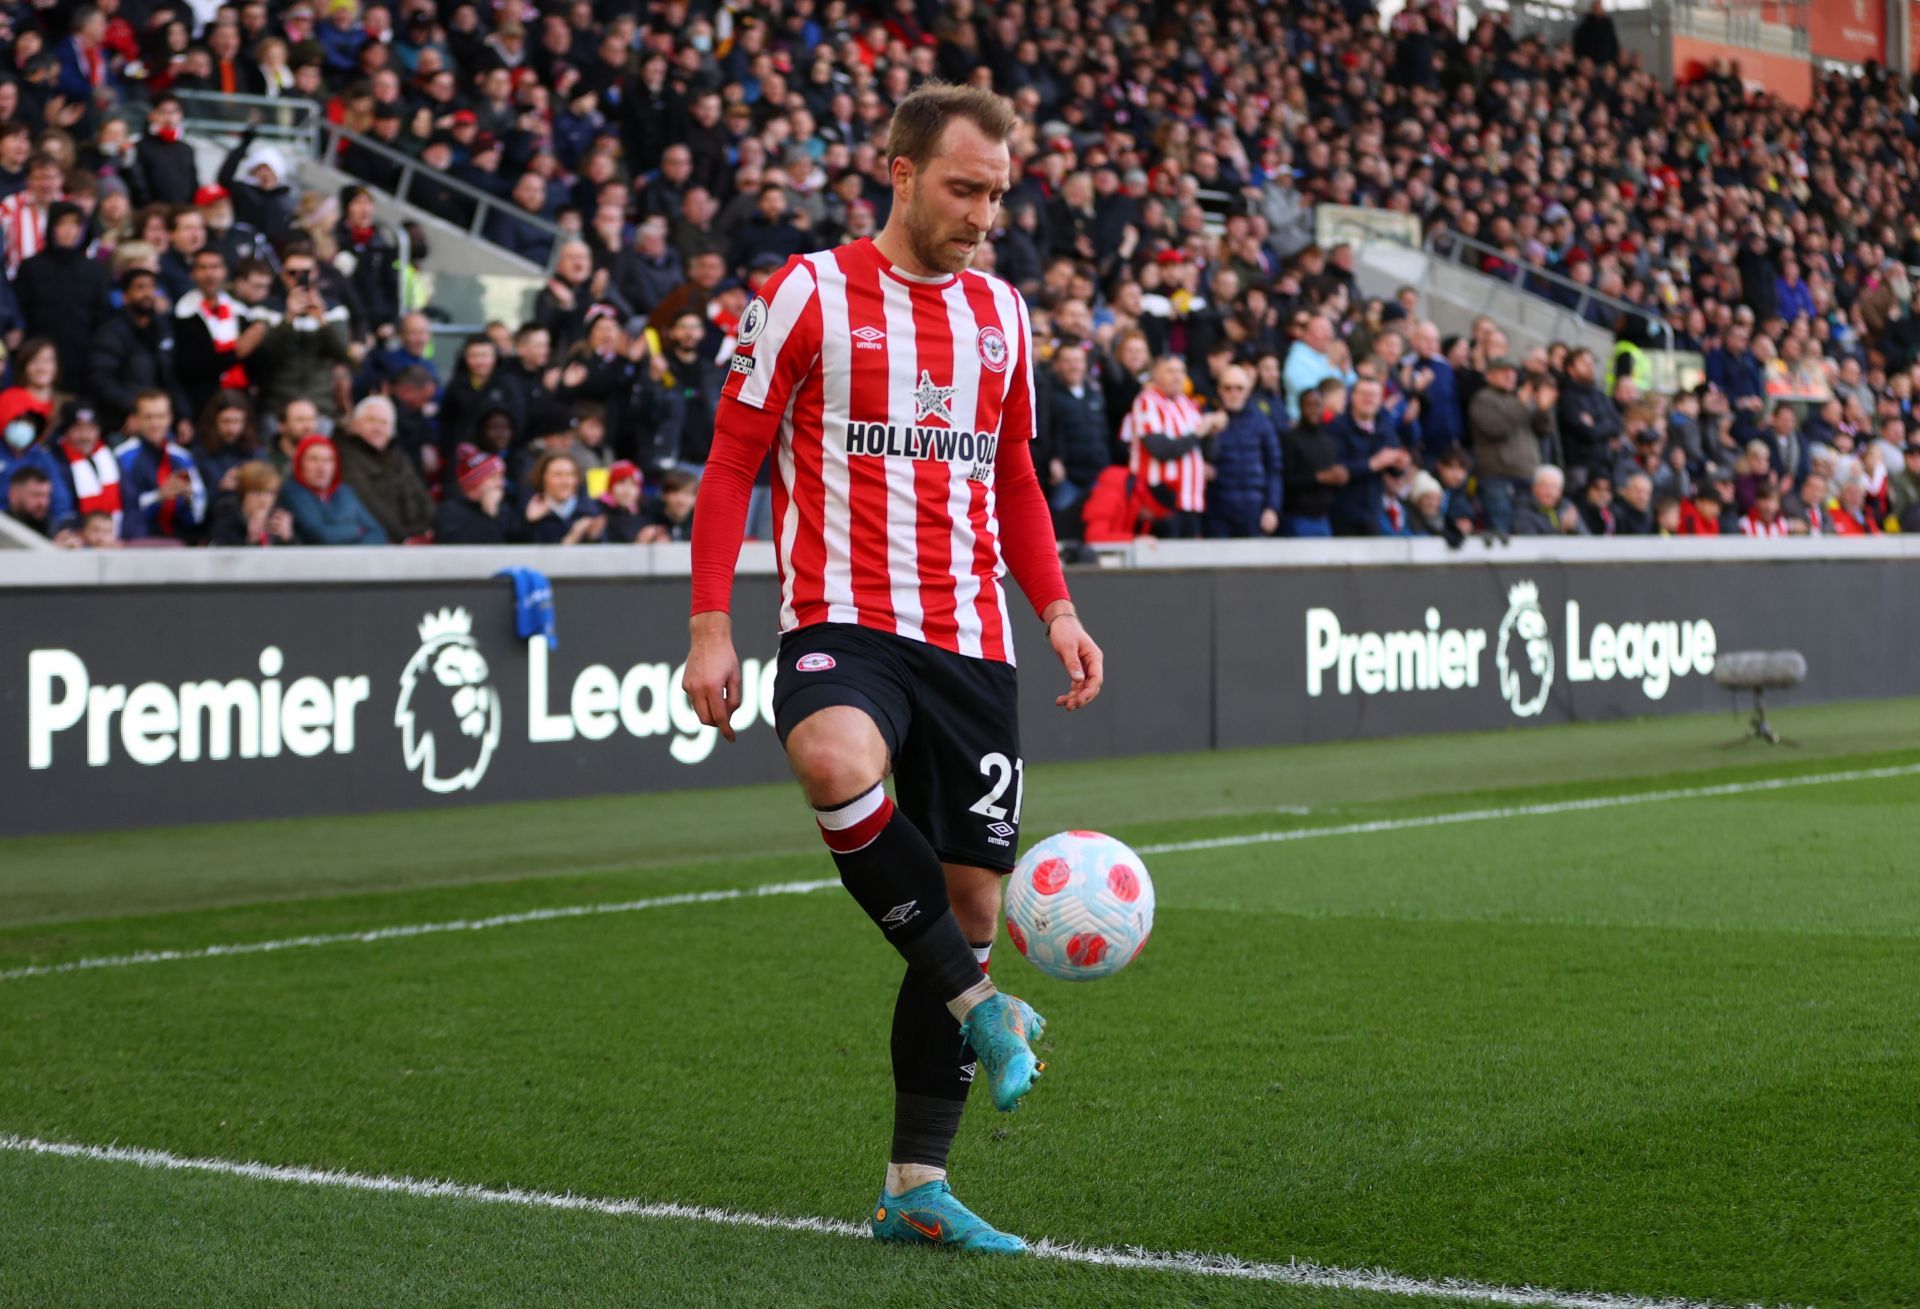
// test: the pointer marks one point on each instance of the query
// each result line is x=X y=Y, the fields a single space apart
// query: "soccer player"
x=895 y=388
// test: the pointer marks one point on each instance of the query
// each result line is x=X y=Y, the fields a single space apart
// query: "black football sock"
x=896 y=877
x=933 y=1070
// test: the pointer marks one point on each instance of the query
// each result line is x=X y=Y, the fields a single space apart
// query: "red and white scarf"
x=25 y=226
x=222 y=319
x=96 y=480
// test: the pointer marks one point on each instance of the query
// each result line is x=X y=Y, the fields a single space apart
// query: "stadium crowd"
x=223 y=358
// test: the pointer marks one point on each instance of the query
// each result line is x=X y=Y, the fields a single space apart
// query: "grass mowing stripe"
x=402 y=931
x=420 y=929
x=1532 y=810
x=1316 y=1276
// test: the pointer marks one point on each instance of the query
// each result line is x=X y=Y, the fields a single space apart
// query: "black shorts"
x=951 y=725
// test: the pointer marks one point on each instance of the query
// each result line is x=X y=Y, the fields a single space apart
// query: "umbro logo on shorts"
x=813 y=663
x=1000 y=829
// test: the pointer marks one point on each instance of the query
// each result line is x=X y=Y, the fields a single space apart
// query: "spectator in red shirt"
x=1852 y=517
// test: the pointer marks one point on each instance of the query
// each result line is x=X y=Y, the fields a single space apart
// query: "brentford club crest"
x=993 y=349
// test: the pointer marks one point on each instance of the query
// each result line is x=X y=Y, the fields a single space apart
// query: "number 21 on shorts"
x=1004 y=773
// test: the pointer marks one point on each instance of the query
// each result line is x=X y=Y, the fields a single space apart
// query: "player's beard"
x=932 y=245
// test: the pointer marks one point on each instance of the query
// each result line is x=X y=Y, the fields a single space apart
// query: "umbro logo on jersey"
x=869 y=338
x=901 y=914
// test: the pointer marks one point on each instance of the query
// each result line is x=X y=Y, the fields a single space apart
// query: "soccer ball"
x=1080 y=906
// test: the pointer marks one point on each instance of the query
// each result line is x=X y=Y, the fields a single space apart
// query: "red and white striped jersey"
x=896 y=391
x=23 y=227
x=1751 y=526
x=1154 y=414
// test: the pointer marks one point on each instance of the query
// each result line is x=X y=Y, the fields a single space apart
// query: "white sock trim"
x=854 y=811
x=902 y=1178
x=961 y=1005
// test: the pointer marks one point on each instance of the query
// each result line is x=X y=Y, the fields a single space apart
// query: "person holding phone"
x=304 y=355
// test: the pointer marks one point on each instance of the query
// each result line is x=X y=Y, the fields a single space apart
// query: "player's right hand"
x=712 y=679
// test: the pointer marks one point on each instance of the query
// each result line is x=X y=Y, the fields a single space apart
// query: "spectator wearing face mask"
x=25 y=448
x=163 y=171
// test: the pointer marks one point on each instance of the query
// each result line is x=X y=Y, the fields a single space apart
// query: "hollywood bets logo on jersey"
x=921 y=440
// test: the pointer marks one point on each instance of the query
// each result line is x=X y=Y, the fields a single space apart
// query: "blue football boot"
x=999 y=1029
x=929 y=1215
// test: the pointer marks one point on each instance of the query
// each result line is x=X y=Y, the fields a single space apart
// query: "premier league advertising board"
x=125 y=707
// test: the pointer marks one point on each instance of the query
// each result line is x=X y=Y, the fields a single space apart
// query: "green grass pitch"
x=1664 y=1049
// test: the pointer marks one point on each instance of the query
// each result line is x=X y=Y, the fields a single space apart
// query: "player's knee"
x=837 y=754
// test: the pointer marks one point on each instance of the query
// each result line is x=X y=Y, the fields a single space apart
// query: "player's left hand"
x=1080 y=657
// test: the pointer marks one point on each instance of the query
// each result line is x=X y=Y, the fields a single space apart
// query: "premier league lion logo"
x=449 y=713
x=1524 y=652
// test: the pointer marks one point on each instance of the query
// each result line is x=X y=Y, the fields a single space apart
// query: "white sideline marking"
x=1378 y=1281
x=420 y=929
x=1532 y=810
x=804 y=888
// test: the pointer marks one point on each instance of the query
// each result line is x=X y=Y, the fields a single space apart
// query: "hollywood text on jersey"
x=941 y=445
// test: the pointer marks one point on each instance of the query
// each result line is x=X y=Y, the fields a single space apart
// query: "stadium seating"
x=534 y=243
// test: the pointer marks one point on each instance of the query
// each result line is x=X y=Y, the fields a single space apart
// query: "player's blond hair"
x=921 y=118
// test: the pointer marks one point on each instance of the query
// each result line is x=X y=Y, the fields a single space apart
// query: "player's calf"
x=893 y=874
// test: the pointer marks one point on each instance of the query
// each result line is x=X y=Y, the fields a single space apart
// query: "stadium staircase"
x=466 y=281
x=1391 y=252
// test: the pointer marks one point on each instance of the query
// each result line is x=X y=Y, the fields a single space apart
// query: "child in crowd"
x=669 y=516
x=626 y=515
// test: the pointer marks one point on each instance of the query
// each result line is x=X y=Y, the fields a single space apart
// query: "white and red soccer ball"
x=1080 y=906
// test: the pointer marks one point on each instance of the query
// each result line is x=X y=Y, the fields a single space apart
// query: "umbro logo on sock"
x=901 y=914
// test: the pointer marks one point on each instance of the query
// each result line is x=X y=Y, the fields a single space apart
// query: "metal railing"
x=303 y=124
x=332 y=139
x=1531 y=278
x=278 y=120
x=1771 y=26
